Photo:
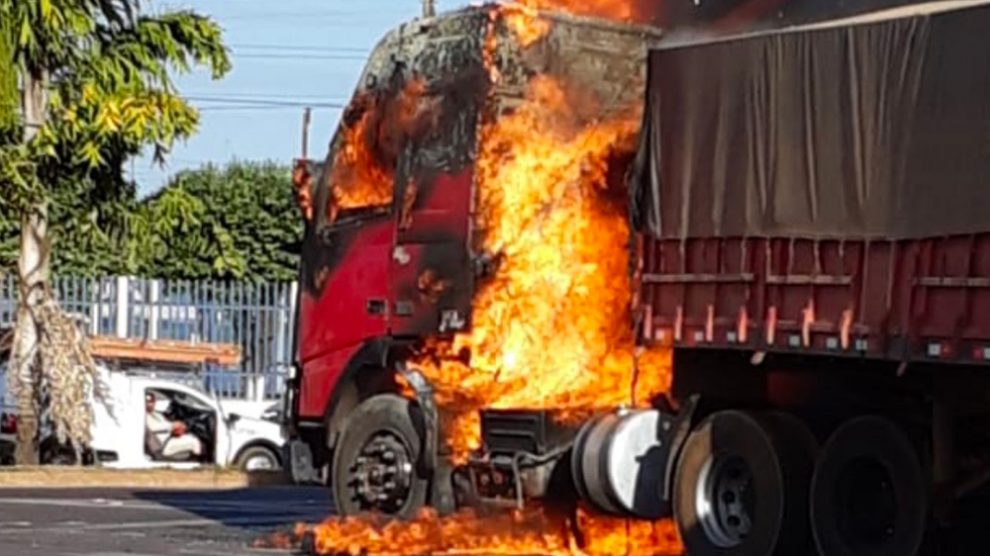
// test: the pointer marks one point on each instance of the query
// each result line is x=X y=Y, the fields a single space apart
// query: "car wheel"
x=741 y=486
x=376 y=462
x=258 y=458
x=54 y=453
x=868 y=492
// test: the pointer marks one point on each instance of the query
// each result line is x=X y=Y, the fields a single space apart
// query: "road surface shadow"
x=256 y=509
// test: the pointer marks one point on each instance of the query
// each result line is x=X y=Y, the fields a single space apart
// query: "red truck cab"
x=390 y=258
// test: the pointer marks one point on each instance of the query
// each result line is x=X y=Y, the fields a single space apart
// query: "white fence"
x=259 y=317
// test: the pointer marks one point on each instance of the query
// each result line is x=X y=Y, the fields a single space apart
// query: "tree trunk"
x=33 y=268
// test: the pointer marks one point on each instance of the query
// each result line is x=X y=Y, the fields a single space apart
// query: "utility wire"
x=275 y=16
x=305 y=48
x=233 y=108
x=299 y=56
x=263 y=95
x=264 y=102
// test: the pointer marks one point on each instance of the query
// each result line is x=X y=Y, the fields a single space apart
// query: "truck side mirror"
x=233 y=418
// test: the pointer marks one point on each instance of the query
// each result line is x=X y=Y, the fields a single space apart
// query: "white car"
x=8 y=421
x=118 y=432
x=228 y=439
x=8 y=431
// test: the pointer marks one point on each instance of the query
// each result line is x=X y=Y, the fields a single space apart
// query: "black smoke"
x=742 y=15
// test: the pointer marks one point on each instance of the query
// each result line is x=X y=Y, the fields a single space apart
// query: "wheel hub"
x=382 y=474
x=259 y=463
x=725 y=501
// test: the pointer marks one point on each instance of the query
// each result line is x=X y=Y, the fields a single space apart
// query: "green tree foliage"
x=110 y=90
x=96 y=76
x=89 y=229
x=238 y=222
x=8 y=84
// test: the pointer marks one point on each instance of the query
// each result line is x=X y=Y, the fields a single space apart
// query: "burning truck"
x=508 y=251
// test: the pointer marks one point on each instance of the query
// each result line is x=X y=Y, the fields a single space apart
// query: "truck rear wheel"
x=868 y=492
x=741 y=486
x=376 y=463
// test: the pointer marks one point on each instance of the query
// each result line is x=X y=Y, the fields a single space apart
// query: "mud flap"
x=438 y=468
x=300 y=459
x=674 y=432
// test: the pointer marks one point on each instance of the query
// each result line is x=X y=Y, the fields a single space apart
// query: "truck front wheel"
x=741 y=486
x=376 y=463
x=868 y=493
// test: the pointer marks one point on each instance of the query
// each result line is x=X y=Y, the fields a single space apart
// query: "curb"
x=161 y=479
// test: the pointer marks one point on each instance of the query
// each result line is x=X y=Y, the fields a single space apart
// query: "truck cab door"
x=345 y=283
x=432 y=278
x=222 y=440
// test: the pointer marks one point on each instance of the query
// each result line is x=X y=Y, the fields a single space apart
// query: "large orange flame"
x=376 y=125
x=620 y=10
x=552 y=329
x=525 y=23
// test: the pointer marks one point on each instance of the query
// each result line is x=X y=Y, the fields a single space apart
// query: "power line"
x=261 y=101
x=236 y=108
x=263 y=95
x=274 y=16
x=230 y=99
x=295 y=48
x=299 y=56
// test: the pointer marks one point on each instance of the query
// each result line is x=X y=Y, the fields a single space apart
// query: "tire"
x=62 y=458
x=741 y=486
x=798 y=449
x=376 y=462
x=54 y=453
x=258 y=458
x=868 y=495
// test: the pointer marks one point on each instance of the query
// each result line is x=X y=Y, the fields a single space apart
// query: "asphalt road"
x=113 y=522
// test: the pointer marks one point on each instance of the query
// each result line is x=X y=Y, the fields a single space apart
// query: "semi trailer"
x=807 y=209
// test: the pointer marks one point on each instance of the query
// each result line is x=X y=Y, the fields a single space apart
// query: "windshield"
x=377 y=127
x=183 y=398
x=358 y=176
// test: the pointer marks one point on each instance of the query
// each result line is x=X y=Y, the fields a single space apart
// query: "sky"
x=286 y=54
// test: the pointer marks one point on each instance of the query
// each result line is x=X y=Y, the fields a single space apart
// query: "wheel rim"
x=259 y=463
x=867 y=503
x=381 y=476
x=725 y=501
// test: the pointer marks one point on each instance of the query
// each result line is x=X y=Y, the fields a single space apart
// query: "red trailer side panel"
x=822 y=189
x=909 y=300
